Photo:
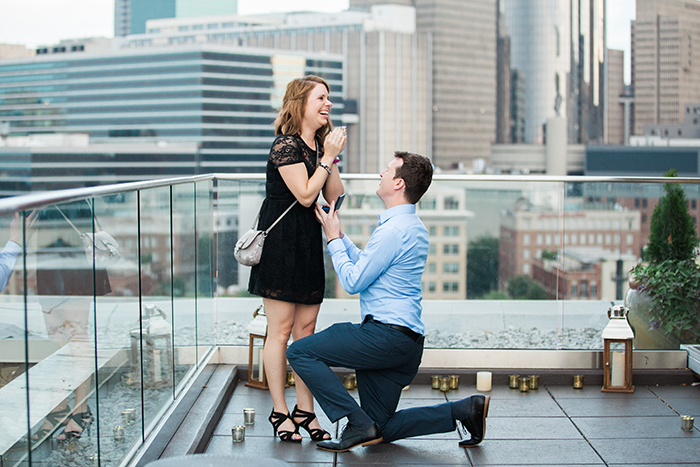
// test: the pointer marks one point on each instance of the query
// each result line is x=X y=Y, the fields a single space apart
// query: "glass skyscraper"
x=130 y=16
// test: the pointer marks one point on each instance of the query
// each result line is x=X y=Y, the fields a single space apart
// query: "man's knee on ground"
x=293 y=352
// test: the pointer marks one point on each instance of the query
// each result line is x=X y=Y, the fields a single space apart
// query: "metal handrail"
x=33 y=200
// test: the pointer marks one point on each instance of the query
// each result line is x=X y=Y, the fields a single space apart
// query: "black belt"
x=402 y=329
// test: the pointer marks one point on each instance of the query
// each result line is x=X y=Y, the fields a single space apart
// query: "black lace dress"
x=291 y=267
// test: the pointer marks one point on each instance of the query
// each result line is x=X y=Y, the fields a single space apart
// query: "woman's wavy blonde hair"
x=290 y=116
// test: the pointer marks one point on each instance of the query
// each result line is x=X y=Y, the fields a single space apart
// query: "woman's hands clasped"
x=334 y=145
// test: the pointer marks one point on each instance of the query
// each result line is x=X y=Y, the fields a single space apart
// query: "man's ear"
x=399 y=183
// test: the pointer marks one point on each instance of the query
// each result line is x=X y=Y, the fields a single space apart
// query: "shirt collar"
x=396 y=210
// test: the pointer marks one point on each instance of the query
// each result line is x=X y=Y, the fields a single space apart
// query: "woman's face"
x=318 y=107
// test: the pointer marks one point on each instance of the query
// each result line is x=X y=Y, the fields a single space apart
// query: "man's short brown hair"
x=416 y=172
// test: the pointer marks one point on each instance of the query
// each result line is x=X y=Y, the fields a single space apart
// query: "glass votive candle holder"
x=249 y=416
x=454 y=381
x=513 y=381
x=524 y=384
x=435 y=381
x=118 y=432
x=238 y=433
x=290 y=378
x=353 y=378
x=578 y=381
x=534 y=381
x=444 y=384
x=687 y=422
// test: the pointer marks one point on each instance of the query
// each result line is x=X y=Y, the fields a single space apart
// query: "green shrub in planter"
x=672 y=278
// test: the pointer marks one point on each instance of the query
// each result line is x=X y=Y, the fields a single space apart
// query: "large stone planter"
x=639 y=316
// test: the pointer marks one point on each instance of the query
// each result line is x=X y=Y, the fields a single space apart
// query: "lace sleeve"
x=286 y=150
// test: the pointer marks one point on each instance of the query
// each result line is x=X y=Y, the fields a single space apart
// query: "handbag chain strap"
x=97 y=222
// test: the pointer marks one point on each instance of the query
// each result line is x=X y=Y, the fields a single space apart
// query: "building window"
x=451 y=231
x=431 y=249
x=526 y=268
x=451 y=203
x=584 y=288
x=594 y=290
x=526 y=253
x=431 y=286
x=574 y=290
x=427 y=204
x=450 y=287
x=450 y=249
x=547 y=239
x=432 y=268
x=608 y=239
x=526 y=239
x=539 y=239
x=644 y=218
x=583 y=239
x=450 y=268
x=432 y=230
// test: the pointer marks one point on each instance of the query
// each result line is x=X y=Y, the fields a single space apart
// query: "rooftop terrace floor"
x=550 y=426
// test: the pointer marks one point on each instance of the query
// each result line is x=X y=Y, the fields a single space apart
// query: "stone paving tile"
x=530 y=428
x=593 y=392
x=260 y=446
x=528 y=404
x=676 y=392
x=648 y=451
x=407 y=452
x=606 y=407
x=533 y=452
x=632 y=427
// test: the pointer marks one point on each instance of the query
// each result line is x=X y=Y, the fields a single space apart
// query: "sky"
x=45 y=22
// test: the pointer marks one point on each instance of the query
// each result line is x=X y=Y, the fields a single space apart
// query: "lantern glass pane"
x=617 y=364
x=258 y=363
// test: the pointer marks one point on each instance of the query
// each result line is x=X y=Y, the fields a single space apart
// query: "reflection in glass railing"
x=107 y=324
x=113 y=299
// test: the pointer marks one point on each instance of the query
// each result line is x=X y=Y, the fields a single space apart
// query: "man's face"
x=386 y=184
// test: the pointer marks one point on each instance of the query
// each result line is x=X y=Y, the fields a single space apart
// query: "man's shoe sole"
x=366 y=443
x=483 y=428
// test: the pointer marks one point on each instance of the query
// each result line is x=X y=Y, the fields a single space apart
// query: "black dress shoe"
x=472 y=412
x=352 y=437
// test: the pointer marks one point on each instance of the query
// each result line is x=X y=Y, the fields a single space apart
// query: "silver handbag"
x=249 y=246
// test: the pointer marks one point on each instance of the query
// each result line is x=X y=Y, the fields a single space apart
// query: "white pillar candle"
x=617 y=375
x=483 y=381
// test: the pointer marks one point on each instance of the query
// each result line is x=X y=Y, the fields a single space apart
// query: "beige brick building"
x=666 y=60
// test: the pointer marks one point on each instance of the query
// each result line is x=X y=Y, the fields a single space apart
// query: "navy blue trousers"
x=385 y=361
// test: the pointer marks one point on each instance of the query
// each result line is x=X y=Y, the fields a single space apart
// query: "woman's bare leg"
x=280 y=321
x=305 y=325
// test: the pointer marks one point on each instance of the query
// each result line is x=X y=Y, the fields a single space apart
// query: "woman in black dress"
x=290 y=276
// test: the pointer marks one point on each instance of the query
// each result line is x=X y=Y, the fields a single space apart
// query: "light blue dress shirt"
x=387 y=273
x=8 y=258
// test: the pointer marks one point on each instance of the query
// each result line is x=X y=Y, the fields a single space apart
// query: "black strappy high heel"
x=278 y=418
x=317 y=434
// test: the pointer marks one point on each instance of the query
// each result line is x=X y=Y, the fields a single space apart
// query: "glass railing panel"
x=184 y=281
x=237 y=205
x=156 y=344
x=61 y=286
x=119 y=396
x=206 y=267
x=14 y=446
x=664 y=306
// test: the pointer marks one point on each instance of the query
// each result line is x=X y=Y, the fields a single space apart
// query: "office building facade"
x=221 y=100
x=666 y=66
x=559 y=45
x=463 y=75
x=130 y=16
x=386 y=74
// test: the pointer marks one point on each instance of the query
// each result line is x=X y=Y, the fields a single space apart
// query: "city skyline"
x=70 y=19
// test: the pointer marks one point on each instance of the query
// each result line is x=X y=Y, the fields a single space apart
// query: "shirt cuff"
x=334 y=246
x=12 y=248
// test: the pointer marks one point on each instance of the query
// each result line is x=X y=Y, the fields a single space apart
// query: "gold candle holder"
x=513 y=381
x=578 y=381
x=435 y=381
x=534 y=381
x=353 y=378
x=444 y=384
x=524 y=384
x=290 y=378
x=454 y=381
x=347 y=382
x=118 y=432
